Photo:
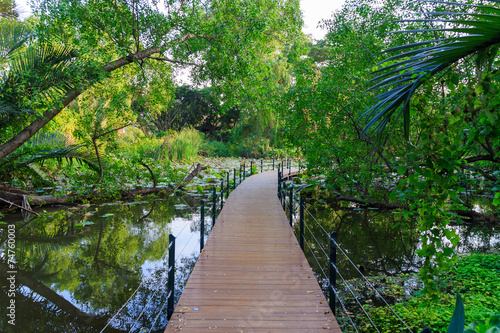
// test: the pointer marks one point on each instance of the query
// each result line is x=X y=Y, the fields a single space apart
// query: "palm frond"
x=42 y=73
x=471 y=33
x=13 y=35
x=46 y=146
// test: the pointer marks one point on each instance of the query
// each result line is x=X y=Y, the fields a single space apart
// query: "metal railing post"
x=279 y=185
x=202 y=225
x=240 y=173
x=244 y=171
x=290 y=166
x=301 y=224
x=227 y=187
x=291 y=204
x=261 y=165
x=234 y=180
x=171 y=275
x=214 y=204
x=333 y=269
x=221 y=194
x=283 y=196
x=251 y=168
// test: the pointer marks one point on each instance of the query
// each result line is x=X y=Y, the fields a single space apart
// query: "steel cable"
x=370 y=284
x=326 y=256
x=143 y=282
x=354 y=296
x=135 y=292
x=163 y=307
x=343 y=306
x=356 y=267
x=156 y=292
x=324 y=275
x=352 y=263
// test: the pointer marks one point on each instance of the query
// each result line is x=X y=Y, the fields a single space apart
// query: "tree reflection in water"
x=380 y=244
x=76 y=270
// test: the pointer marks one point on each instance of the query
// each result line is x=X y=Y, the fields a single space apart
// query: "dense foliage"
x=474 y=277
x=450 y=149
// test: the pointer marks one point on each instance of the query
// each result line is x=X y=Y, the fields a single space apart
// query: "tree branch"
x=480 y=158
x=18 y=206
x=173 y=61
x=19 y=139
x=110 y=131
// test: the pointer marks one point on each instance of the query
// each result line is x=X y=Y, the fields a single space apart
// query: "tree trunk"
x=98 y=157
x=150 y=172
x=23 y=136
x=389 y=206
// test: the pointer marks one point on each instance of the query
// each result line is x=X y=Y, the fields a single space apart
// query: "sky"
x=314 y=11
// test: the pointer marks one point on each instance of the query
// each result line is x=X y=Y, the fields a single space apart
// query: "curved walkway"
x=252 y=275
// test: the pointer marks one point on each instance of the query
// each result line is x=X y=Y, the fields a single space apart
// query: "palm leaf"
x=46 y=146
x=41 y=73
x=473 y=32
x=13 y=34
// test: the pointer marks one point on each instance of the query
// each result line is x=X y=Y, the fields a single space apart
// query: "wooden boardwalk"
x=252 y=275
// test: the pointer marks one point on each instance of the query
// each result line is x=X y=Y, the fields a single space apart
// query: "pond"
x=103 y=267
x=78 y=268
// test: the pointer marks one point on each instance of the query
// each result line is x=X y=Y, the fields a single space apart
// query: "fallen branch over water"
x=385 y=205
x=18 y=206
x=15 y=197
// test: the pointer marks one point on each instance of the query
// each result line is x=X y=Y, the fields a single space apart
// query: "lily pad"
x=84 y=223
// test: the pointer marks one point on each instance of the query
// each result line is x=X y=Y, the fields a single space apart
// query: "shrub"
x=474 y=276
x=184 y=145
x=216 y=149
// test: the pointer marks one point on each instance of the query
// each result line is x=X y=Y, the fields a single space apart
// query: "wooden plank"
x=252 y=275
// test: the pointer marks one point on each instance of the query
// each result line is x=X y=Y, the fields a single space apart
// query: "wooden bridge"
x=252 y=275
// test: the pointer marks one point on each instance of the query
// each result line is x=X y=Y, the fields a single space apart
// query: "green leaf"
x=495 y=321
x=458 y=320
x=402 y=170
x=493 y=330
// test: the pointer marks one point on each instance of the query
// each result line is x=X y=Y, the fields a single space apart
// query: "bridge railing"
x=323 y=249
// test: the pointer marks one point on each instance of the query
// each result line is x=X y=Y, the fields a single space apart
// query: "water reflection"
x=78 y=269
x=377 y=242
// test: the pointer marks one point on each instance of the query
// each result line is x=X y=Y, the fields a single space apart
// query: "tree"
x=221 y=38
x=7 y=9
x=471 y=33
